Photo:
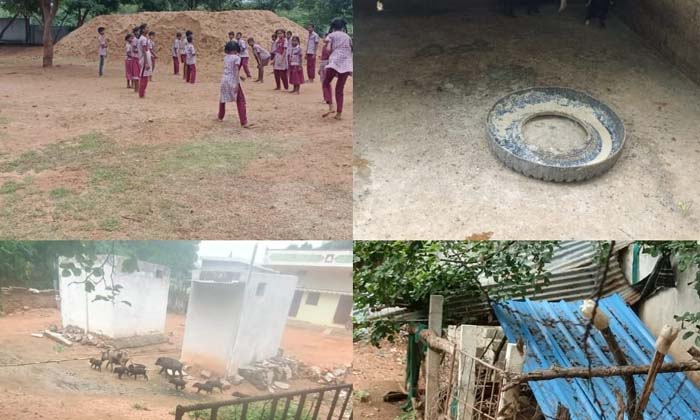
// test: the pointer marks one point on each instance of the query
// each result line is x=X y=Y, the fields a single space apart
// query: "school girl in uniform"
x=152 y=48
x=175 y=51
x=146 y=63
x=135 y=68
x=127 y=59
x=102 y=48
x=339 y=65
x=311 y=48
x=183 y=55
x=323 y=62
x=296 y=71
x=245 y=57
x=281 y=62
x=231 y=90
x=191 y=59
x=262 y=57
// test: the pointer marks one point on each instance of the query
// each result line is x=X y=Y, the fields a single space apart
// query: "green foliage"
x=81 y=10
x=404 y=274
x=686 y=255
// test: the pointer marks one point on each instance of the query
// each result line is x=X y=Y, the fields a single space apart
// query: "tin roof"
x=552 y=332
x=574 y=274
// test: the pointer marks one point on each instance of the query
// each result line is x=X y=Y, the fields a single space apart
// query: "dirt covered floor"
x=376 y=372
x=84 y=157
x=422 y=165
x=71 y=390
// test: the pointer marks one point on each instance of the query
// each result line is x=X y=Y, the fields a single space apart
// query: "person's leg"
x=603 y=13
x=285 y=79
x=184 y=67
x=311 y=66
x=240 y=105
x=261 y=72
x=222 y=110
x=143 y=83
x=278 y=79
x=327 y=95
x=244 y=61
x=102 y=64
x=193 y=70
x=339 y=87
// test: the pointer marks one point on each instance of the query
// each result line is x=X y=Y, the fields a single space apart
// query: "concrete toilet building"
x=145 y=290
x=231 y=324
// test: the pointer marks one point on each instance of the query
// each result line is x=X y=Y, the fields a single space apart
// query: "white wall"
x=660 y=308
x=320 y=314
x=146 y=290
x=262 y=319
x=213 y=317
x=228 y=326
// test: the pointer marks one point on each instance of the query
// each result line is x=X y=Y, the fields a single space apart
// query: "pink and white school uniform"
x=296 y=72
x=152 y=49
x=127 y=60
x=263 y=53
x=183 y=57
x=175 y=52
x=191 y=61
x=311 y=47
x=145 y=63
x=245 y=57
x=281 y=64
x=102 y=52
x=135 y=68
x=339 y=65
x=230 y=89
x=323 y=62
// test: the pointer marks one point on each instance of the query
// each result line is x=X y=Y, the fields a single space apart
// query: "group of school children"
x=285 y=53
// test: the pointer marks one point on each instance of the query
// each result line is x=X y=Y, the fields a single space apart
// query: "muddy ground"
x=71 y=390
x=83 y=157
x=378 y=371
x=425 y=84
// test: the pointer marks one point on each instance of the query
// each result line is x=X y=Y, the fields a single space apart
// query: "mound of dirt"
x=210 y=31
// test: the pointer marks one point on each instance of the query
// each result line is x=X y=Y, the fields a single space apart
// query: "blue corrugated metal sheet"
x=553 y=332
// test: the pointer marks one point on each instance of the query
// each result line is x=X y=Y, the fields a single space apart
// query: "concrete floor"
x=423 y=88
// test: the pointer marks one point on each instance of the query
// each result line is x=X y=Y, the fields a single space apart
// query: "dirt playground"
x=71 y=390
x=84 y=157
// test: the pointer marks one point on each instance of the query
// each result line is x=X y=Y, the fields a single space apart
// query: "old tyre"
x=555 y=134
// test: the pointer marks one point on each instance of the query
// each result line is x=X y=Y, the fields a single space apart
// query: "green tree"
x=405 y=273
x=81 y=10
x=321 y=12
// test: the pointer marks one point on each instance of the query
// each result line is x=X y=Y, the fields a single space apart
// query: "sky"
x=244 y=249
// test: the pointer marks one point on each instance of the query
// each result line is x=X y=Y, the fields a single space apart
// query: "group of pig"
x=120 y=365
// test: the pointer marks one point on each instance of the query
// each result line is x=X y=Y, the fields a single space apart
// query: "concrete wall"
x=213 y=316
x=660 y=308
x=229 y=326
x=146 y=290
x=670 y=26
x=262 y=319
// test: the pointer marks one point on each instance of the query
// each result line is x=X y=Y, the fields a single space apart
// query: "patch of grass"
x=79 y=151
x=59 y=193
x=225 y=157
x=256 y=411
x=10 y=187
x=110 y=224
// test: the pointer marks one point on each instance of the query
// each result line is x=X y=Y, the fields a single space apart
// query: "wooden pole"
x=584 y=372
x=508 y=405
x=432 y=375
x=663 y=343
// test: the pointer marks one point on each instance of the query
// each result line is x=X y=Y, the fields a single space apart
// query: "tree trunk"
x=48 y=10
x=8 y=25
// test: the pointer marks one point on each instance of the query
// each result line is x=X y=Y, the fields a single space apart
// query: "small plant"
x=140 y=407
x=362 y=395
x=59 y=348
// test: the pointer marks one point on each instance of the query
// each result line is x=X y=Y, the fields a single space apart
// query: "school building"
x=324 y=289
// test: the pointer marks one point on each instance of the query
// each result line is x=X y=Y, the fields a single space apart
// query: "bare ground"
x=71 y=390
x=83 y=157
x=421 y=160
x=378 y=371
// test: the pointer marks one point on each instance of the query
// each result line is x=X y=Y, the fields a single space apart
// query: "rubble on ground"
x=274 y=373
